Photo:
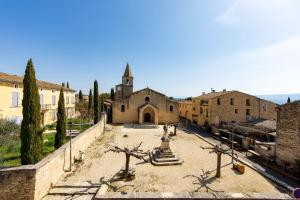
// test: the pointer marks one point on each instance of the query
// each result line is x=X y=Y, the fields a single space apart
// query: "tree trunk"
x=218 y=175
x=126 y=172
x=175 y=129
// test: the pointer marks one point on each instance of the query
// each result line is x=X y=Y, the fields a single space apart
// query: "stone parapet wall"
x=33 y=181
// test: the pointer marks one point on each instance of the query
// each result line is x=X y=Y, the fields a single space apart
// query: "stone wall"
x=33 y=181
x=288 y=136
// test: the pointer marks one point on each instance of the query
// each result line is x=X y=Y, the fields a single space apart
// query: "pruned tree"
x=135 y=152
x=219 y=150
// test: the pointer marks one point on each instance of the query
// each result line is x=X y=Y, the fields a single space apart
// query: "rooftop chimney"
x=224 y=90
x=203 y=93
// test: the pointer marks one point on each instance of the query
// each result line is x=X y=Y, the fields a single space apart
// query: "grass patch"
x=10 y=155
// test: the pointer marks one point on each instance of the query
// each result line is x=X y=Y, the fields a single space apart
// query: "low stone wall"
x=33 y=181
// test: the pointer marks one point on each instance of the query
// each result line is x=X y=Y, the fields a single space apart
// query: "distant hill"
x=280 y=98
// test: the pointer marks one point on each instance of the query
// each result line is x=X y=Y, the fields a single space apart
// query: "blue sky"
x=180 y=48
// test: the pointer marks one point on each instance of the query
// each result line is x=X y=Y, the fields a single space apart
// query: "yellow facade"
x=11 y=92
x=227 y=106
x=186 y=109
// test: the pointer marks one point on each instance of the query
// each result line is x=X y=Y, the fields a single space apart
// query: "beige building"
x=227 y=106
x=11 y=90
x=143 y=106
x=186 y=109
x=288 y=136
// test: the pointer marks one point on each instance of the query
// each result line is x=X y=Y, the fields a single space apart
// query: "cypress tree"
x=80 y=96
x=96 y=102
x=90 y=100
x=112 y=94
x=102 y=103
x=31 y=131
x=67 y=84
x=61 y=121
x=288 y=100
x=63 y=84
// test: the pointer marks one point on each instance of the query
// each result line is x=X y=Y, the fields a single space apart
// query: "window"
x=123 y=108
x=201 y=110
x=219 y=101
x=42 y=100
x=204 y=102
x=73 y=100
x=264 y=107
x=248 y=112
x=231 y=101
x=236 y=111
x=15 y=99
x=171 y=108
x=147 y=99
x=194 y=108
x=206 y=113
x=67 y=100
x=53 y=100
x=247 y=102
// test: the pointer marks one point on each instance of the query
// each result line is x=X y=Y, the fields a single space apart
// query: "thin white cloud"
x=260 y=11
x=271 y=69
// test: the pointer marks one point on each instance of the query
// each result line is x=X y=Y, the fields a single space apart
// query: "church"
x=145 y=106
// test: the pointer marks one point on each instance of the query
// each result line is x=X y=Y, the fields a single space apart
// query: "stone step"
x=179 y=162
x=166 y=159
x=73 y=190
x=64 y=197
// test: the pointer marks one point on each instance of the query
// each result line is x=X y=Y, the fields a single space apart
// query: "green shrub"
x=8 y=127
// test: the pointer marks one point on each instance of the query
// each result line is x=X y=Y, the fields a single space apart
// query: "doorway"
x=147 y=118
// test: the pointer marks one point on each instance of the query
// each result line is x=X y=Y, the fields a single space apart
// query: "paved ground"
x=259 y=164
x=196 y=174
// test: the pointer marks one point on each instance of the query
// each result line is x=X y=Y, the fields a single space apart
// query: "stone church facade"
x=143 y=106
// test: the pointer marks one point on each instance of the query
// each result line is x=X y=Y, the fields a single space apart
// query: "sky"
x=178 y=47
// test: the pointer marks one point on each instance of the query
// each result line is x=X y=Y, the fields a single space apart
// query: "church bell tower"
x=126 y=88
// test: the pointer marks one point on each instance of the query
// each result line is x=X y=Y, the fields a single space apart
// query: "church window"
x=147 y=99
x=127 y=81
x=123 y=108
x=171 y=108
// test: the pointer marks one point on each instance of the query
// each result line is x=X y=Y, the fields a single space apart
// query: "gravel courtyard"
x=99 y=167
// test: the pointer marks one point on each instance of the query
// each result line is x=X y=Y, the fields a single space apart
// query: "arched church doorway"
x=147 y=118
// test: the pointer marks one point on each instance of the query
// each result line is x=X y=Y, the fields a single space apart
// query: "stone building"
x=11 y=90
x=186 y=108
x=288 y=136
x=143 y=106
x=227 y=106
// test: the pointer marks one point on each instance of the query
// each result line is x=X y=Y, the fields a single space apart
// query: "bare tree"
x=219 y=150
x=135 y=152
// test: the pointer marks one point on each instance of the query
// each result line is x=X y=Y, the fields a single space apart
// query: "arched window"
x=123 y=108
x=147 y=99
x=127 y=81
x=171 y=108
